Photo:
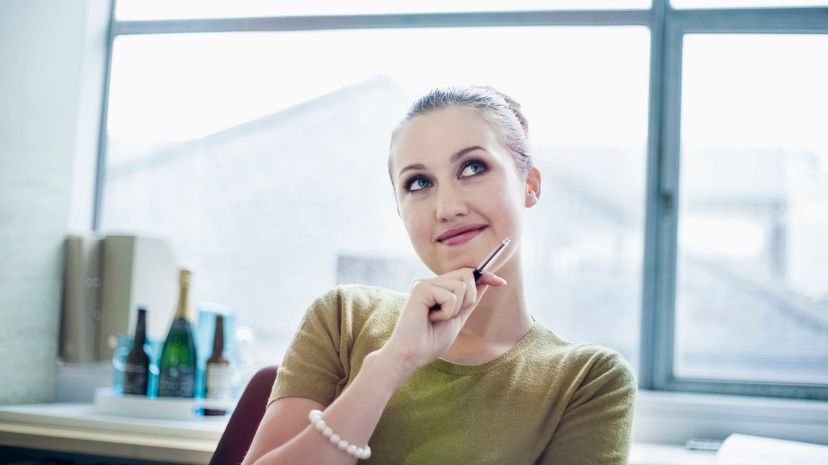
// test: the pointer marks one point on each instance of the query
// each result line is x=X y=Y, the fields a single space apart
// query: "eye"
x=477 y=165
x=416 y=183
x=470 y=168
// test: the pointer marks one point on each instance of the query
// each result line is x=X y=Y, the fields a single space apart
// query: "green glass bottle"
x=178 y=357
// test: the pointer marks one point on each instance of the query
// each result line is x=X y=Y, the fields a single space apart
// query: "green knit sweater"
x=544 y=401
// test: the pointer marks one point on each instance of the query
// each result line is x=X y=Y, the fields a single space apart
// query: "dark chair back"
x=245 y=420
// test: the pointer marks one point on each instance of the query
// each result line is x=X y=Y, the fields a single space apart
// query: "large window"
x=684 y=170
x=237 y=150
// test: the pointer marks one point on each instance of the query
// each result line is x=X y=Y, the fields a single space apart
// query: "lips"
x=457 y=231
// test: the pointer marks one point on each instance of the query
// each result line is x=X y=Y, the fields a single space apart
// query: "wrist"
x=385 y=365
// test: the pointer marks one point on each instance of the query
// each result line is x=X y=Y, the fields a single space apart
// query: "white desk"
x=80 y=429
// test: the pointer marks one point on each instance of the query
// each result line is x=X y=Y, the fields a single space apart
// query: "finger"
x=473 y=290
x=491 y=279
x=458 y=287
x=445 y=300
x=450 y=280
x=459 y=291
x=486 y=277
x=481 y=286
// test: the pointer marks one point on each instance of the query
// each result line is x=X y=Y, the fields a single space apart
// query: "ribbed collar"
x=517 y=349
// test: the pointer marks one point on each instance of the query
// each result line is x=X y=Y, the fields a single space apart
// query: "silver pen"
x=478 y=272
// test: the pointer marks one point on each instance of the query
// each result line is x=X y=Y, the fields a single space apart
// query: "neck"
x=501 y=316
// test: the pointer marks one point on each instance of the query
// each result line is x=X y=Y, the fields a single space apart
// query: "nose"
x=450 y=204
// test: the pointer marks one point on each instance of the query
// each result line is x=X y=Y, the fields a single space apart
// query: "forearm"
x=353 y=416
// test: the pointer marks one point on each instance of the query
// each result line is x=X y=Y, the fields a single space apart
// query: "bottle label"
x=176 y=381
x=217 y=383
x=178 y=362
x=135 y=379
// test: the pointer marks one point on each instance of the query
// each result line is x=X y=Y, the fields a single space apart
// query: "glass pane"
x=188 y=9
x=746 y=3
x=752 y=298
x=233 y=146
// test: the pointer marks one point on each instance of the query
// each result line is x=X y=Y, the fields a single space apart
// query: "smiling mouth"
x=462 y=238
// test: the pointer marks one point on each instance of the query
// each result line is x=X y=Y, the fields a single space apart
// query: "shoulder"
x=357 y=297
x=361 y=296
x=586 y=362
x=352 y=306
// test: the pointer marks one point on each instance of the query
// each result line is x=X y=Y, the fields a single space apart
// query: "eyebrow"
x=454 y=158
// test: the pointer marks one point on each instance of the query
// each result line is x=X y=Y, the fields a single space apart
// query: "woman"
x=476 y=380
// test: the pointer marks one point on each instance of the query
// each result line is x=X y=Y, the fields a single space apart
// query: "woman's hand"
x=422 y=334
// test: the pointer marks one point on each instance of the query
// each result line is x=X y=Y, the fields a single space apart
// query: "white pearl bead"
x=318 y=423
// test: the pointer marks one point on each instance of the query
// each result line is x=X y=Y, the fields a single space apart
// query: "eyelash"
x=407 y=185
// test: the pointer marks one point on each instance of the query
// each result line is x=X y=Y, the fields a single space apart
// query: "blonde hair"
x=496 y=108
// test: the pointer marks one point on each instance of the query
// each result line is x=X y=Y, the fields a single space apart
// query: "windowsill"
x=674 y=417
x=665 y=454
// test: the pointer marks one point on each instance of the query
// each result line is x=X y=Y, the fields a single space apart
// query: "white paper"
x=742 y=449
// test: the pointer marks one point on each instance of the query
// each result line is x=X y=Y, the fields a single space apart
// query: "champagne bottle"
x=136 y=368
x=178 y=356
x=217 y=376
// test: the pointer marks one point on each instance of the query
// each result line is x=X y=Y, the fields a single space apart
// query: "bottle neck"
x=183 y=308
x=218 y=337
x=140 y=331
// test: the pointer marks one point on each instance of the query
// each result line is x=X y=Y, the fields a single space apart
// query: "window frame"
x=661 y=233
x=667 y=28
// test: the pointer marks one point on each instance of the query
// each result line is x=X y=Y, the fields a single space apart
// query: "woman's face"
x=450 y=171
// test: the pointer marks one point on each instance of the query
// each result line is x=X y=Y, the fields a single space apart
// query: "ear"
x=533 y=187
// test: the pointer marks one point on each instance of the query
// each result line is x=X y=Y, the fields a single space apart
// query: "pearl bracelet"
x=315 y=417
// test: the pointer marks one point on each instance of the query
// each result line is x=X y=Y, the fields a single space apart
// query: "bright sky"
x=583 y=84
x=576 y=85
x=764 y=91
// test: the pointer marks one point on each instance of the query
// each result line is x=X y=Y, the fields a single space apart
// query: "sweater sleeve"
x=311 y=367
x=596 y=426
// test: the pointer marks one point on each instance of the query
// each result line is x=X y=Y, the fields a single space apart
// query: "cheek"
x=507 y=206
x=504 y=199
x=416 y=224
